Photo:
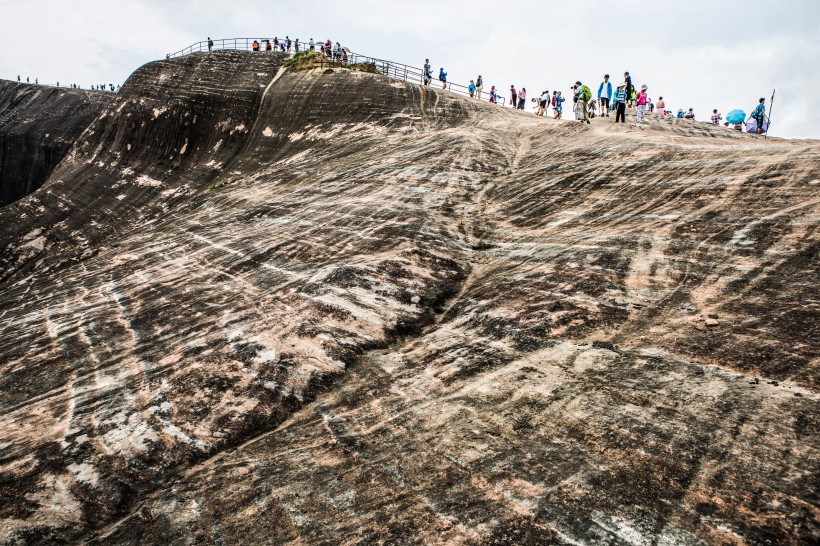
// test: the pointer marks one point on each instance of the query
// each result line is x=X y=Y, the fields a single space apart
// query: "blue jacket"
x=608 y=94
x=759 y=112
x=620 y=96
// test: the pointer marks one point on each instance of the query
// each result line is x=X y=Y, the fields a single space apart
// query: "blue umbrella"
x=736 y=116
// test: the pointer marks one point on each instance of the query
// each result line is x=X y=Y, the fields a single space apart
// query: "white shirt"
x=605 y=94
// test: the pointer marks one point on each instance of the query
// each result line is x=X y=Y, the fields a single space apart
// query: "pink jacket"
x=641 y=98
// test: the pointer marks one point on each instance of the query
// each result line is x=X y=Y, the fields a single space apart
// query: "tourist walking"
x=513 y=97
x=522 y=98
x=641 y=100
x=605 y=95
x=210 y=44
x=442 y=76
x=716 y=117
x=661 y=106
x=759 y=115
x=471 y=88
x=479 y=86
x=620 y=104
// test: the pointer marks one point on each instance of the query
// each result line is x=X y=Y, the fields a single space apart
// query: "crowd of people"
x=335 y=52
x=94 y=87
x=622 y=99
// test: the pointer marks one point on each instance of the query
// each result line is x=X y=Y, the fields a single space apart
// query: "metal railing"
x=393 y=70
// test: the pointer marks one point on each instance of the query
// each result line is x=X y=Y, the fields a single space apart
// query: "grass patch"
x=308 y=60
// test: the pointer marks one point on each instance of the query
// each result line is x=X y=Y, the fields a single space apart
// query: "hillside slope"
x=38 y=125
x=307 y=307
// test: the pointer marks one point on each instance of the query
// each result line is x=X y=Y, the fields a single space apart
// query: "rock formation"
x=38 y=125
x=261 y=305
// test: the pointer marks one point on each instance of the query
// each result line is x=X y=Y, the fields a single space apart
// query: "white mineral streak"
x=451 y=323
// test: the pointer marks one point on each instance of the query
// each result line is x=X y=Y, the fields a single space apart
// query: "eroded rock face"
x=38 y=125
x=258 y=304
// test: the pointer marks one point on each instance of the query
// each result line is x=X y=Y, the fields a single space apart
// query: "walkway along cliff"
x=256 y=304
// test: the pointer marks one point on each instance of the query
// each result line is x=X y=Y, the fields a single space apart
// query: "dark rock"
x=38 y=125
x=603 y=345
x=257 y=345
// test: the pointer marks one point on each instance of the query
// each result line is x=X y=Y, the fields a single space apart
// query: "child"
x=558 y=107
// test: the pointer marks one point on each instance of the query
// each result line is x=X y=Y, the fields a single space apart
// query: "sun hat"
x=643 y=87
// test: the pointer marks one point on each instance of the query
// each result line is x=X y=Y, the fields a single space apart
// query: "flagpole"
x=771 y=107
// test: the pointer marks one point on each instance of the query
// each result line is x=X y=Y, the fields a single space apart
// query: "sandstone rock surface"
x=38 y=125
x=255 y=305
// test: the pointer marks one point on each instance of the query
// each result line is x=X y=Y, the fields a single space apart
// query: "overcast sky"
x=702 y=54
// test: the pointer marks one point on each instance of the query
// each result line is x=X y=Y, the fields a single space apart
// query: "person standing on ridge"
x=582 y=95
x=513 y=97
x=605 y=95
x=471 y=88
x=689 y=115
x=288 y=42
x=628 y=83
x=661 y=106
x=479 y=85
x=268 y=46
x=716 y=117
x=255 y=45
x=557 y=105
x=18 y=78
x=296 y=45
x=312 y=45
x=642 y=100
x=620 y=104
x=759 y=115
x=442 y=76
x=493 y=95
x=522 y=98
x=543 y=103
x=427 y=72
x=210 y=44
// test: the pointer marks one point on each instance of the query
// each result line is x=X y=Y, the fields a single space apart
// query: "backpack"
x=587 y=93
x=553 y=100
